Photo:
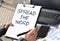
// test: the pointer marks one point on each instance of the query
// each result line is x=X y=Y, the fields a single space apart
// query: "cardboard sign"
x=24 y=19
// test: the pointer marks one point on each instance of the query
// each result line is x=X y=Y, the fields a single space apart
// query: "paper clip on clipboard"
x=25 y=3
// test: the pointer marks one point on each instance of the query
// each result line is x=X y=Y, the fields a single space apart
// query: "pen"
x=22 y=33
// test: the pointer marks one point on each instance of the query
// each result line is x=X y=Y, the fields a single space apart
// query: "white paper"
x=24 y=19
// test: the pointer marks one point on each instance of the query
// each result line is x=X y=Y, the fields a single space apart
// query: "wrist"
x=22 y=39
x=4 y=26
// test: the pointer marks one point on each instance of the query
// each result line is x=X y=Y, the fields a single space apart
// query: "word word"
x=22 y=22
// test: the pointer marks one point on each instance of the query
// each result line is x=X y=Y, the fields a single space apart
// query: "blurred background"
x=7 y=9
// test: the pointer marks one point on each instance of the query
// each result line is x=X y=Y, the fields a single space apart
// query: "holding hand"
x=31 y=36
x=7 y=25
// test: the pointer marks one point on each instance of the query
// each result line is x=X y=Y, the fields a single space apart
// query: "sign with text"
x=24 y=19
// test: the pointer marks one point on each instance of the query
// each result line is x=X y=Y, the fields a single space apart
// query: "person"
x=30 y=36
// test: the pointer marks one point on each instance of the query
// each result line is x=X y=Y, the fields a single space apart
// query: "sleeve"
x=22 y=39
x=2 y=31
x=1 y=40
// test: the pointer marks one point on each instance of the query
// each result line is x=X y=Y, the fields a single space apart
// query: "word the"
x=24 y=17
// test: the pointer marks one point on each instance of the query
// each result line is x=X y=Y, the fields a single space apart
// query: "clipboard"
x=24 y=19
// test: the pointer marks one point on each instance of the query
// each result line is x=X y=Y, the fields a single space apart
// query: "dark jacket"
x=2 y=31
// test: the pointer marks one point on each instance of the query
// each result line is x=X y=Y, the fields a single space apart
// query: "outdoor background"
x=7 y=10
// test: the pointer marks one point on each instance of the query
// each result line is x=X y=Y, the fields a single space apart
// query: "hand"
x=31 y=36
x=7 y=25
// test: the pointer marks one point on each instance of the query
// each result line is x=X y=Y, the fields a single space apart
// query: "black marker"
x=22 y=33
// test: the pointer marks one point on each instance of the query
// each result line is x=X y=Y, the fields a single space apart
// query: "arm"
x=2 y=31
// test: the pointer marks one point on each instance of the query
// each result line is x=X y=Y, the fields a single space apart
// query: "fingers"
x=32 y=33
x=35 y=35
x=7 y=25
